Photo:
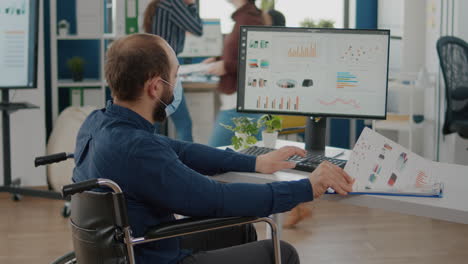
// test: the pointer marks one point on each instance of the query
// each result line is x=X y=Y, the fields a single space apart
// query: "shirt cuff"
x=247 y=163
x=303 y=191
x=286 y=195
x=250 y=162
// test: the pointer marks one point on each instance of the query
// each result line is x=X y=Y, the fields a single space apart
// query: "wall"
x=445 y=17
x=461 y=25
x=28 y=127
x=413 y=51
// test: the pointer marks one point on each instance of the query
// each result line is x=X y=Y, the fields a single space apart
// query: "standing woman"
x=171 y=19
x=246 y=14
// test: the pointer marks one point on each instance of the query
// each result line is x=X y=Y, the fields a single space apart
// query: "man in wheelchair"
x=161 y=177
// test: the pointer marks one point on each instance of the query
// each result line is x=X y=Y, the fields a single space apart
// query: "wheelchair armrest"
x=193 y=225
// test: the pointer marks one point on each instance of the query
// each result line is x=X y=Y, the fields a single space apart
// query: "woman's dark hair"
x=277 y=18
x=148 y=17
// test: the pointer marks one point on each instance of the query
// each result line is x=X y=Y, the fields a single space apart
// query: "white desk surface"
x=452 y=207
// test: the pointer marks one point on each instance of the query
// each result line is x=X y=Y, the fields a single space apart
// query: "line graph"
x=350 y=102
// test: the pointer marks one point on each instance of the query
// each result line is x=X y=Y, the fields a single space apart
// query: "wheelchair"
x=101 y=232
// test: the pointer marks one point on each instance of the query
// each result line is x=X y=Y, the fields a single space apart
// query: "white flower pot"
x=269 y=139
x=63 y=32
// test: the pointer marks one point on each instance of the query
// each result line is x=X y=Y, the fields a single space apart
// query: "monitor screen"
x=18 y=43
x=210 y=44
x=313 y=72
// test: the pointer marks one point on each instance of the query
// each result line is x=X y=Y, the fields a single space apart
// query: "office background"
x=416 y=25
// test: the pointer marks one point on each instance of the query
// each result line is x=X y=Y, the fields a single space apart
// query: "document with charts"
x=382 y=167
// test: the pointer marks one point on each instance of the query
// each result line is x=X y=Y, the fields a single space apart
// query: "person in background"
x=171 y=19
x=274 y=18
x=246 y=14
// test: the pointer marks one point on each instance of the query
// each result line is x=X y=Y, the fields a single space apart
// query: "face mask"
x=177 y=97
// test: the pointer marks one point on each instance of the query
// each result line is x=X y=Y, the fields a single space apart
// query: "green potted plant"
x=323 y=23
x=308 y=23
x=76 y=66
x=271 y=124
x=244 y=132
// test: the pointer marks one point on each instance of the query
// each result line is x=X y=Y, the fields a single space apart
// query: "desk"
x=452 y=207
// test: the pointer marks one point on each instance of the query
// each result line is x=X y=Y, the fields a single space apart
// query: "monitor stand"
x=315 y=135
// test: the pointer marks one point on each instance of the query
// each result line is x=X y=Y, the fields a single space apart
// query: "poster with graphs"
x=14 y=43
x=380 y=165
x=320 y=72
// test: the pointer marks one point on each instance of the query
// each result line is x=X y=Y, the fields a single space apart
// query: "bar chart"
x=346 y=80
x=280 y=103
x=303 y=51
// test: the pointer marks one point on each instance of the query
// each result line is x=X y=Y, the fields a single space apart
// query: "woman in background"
x=246 y=14
x=171 y=19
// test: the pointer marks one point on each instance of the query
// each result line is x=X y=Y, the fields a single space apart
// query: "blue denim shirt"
x=161 y=176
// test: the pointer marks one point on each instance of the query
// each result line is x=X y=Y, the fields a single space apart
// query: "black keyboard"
x=307 y=163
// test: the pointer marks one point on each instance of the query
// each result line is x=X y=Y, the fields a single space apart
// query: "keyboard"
x=307 y=163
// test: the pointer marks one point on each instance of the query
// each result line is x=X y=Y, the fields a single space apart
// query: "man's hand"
x=217 y=68
x=327 y=175
x=276 y=160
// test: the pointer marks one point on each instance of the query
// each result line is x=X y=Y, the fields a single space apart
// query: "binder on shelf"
x=127 y=16
x=81 y=96
x=88 y=16
x=131 y=16
x=142 y=4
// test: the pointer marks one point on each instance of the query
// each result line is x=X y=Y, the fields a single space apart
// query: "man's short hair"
x=133 y=60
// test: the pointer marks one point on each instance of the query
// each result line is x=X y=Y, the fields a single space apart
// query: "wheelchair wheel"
x=68 y=258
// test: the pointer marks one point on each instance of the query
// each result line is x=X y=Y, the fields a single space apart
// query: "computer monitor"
x=210 y=44
x=18 y=43
x=313 y=72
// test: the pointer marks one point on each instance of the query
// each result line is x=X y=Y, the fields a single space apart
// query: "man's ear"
x=153 y=86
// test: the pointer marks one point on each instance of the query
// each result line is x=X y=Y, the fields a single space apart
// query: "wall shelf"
x=85 y=83
x=79 y=37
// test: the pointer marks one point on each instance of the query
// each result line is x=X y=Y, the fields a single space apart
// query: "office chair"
x=453 y=56
x=102 y=234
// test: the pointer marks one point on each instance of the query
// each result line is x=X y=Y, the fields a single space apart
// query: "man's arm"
x=162 y=180
x=185 y=16
x=210 y=161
